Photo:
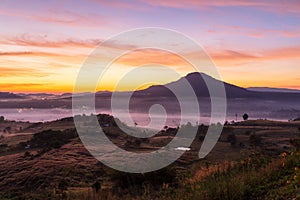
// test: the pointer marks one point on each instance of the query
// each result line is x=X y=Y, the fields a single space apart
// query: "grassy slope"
x=227 y=173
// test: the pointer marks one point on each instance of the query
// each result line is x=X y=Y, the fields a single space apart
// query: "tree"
x=1 y=118
x=96 y=186
x=245 y=116
x=27 y=154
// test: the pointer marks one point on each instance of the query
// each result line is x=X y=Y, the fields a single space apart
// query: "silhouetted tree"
x=1 y=118
x=245 y=116
x=27 y=154
x=96 y=186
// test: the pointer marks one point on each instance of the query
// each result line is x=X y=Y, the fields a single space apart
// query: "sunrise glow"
x=44 y=43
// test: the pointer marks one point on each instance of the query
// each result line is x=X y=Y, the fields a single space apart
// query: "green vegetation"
x=258 y=169
x=49 y=139
x=255 y=177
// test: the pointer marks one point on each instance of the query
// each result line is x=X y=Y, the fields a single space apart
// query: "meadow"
x=254 y=159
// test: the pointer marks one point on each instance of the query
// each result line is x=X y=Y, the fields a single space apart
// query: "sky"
x=43 y=44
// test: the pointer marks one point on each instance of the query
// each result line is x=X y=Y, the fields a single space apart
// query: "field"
x=254 y=159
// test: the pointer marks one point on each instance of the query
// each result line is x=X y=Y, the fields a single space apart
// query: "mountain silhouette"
x=160 y=94
x=199 y=83
x=9 y=95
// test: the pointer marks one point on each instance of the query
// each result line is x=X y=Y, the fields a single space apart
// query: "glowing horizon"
x=252 y=43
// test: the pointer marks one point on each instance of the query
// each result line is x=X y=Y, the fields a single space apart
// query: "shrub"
x=49 y=139
x=245 y=116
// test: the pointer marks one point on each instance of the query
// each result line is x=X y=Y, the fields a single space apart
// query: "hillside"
x=9 y=95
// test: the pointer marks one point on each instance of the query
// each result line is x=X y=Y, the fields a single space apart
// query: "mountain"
x=268 y=89
x=9 y=95
x=198 y=82
x=159 y=94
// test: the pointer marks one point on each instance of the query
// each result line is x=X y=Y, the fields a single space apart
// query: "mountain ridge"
x=198 y=81
x=271 y=89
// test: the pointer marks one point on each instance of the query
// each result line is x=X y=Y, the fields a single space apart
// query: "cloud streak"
x=234 y=58
x=44 y=41
x=276 y=6
x=254 y=32
x=27 y=53
x=62 y=17
x=151 y=56
x=22 y=72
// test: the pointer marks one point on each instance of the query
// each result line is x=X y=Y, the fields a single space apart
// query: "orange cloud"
x=15 y=88
x=48 y=60
x=32 y=87
x=290 y=86
x=231 y=57
x=283 y=53
x=151 y=56
x=15 y=72
x=27 y=53
x=256 y=32
x=17 y=85
x=43 y=41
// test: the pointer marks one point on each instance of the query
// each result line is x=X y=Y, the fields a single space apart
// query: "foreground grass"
x=257 y=177
x=254 y=178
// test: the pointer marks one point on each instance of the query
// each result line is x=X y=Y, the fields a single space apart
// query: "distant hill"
x=268 y=89
x=9 y=95
x=198 y=83
x=154 y=94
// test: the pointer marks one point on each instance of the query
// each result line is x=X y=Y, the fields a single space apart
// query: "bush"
x=245 y=116
x=50 y=139
x=27 y=154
